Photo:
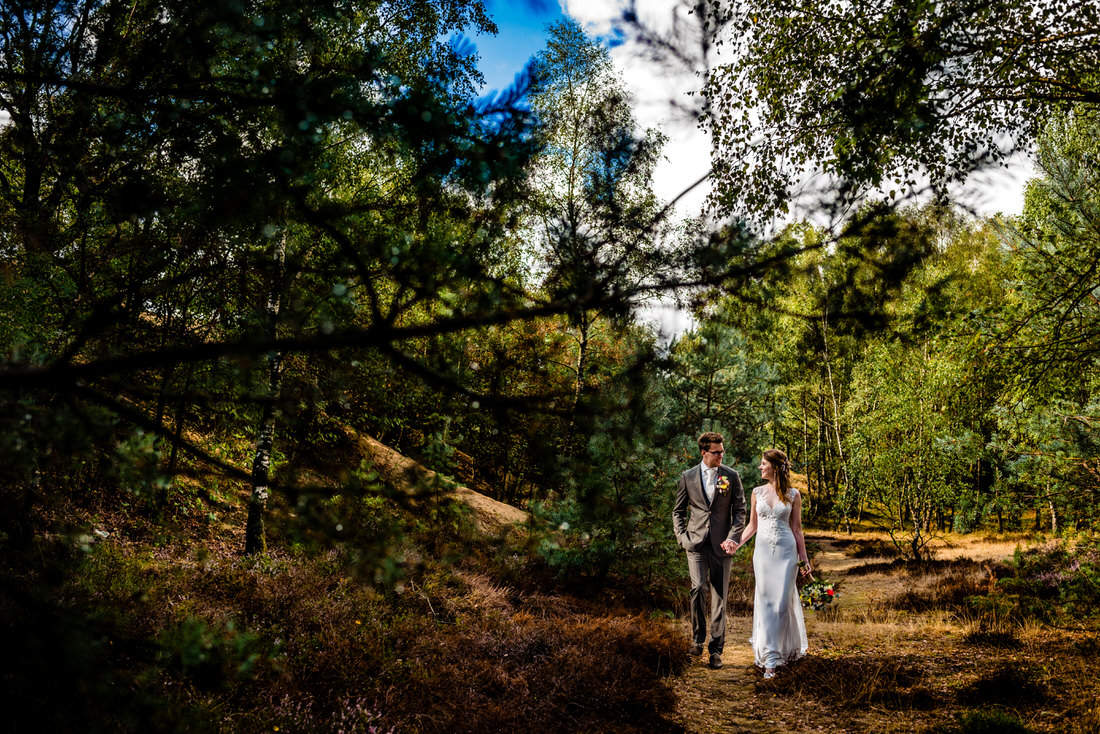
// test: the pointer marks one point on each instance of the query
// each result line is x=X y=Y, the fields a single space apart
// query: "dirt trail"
x=713 y=701
x=736 y=699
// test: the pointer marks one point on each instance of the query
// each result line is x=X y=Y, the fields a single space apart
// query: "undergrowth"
x=1055 y=582
x=138 y=638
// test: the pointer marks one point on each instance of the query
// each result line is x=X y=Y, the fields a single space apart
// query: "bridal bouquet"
x=817 y=594
x=723 y=485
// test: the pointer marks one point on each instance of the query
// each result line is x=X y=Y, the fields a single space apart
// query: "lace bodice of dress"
x=774 y=516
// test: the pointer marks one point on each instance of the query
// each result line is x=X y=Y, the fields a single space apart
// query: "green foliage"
x=208 y=656
x=957 y=414
x=614 y=511
x=269 y=220
x=886 y=93
x=719 y=384
x=1047 y=449
x=72 y=651
x=1044 y=337
x=139 y=458
x=167 y=285
x=910 y=453
x=1059 y=582
x=1056 y=244
x=375 y=527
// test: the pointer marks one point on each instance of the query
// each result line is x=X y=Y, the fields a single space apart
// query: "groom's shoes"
x=695 y=650
x=715 y=660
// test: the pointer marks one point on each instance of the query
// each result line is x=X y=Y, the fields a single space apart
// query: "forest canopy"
x=275 y=224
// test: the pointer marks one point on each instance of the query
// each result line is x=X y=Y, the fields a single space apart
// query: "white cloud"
x=998 y=190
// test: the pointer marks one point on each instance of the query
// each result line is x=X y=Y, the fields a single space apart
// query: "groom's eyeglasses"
x=716 y=453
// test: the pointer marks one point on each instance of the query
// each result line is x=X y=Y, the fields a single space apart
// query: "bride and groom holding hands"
x=709 y=522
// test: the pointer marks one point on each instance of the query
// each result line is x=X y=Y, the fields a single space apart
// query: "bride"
x=778 y=629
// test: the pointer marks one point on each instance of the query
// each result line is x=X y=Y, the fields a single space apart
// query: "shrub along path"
x=901 y=651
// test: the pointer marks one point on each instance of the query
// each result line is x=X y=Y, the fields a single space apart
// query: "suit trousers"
x=707 y=569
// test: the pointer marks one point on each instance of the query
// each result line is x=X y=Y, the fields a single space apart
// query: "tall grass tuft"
x=1010 y=683
x=856 y=682
x=984 y=722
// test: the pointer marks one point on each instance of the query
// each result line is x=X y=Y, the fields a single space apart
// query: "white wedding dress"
x=778 y=628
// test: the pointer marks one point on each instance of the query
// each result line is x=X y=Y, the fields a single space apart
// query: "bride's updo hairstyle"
x=782 y=466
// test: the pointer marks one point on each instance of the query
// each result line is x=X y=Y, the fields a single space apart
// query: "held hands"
x=729 y=546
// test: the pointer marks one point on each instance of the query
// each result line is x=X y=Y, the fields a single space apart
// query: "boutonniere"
x=723 y=485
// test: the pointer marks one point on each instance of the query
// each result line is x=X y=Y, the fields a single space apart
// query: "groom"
x=713 y=492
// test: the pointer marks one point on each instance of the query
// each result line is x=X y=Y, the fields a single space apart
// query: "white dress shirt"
x=710 y=476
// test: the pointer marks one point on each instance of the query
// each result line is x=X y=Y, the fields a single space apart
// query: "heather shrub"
x=867 y=548
x=80 y=659
x=605 y=672
x=991 y=638
x=950 y=591
x=211 y=656
x=1053 y=581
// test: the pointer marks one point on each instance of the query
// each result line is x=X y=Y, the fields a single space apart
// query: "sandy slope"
x=404 y=473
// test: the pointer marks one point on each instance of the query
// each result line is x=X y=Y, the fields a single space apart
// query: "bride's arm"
x=796 y=528
x=750 y=529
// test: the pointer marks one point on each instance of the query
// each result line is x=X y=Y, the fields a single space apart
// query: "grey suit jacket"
x=721 y=519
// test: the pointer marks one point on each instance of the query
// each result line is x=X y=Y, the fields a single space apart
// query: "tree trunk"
x=835 y=404
x=254 y=538
x=1053 y=511
x=806 y=438
x=584 y=328
x=181 y=419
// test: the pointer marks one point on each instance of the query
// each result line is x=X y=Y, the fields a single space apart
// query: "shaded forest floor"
x=886 y=658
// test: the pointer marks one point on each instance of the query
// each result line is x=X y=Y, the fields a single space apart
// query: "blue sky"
x=521 y=26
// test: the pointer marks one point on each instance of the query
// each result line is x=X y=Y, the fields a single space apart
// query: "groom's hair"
x=708 y=438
